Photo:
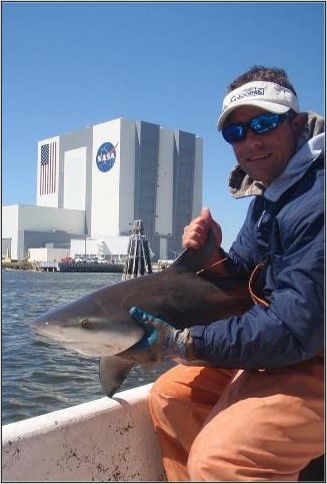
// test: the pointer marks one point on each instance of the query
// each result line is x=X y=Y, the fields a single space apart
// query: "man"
x=255 y=412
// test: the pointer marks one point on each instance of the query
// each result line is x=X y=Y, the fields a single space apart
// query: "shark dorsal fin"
x=196 y=260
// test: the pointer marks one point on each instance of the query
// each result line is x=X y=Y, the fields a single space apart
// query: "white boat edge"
x=102 y=440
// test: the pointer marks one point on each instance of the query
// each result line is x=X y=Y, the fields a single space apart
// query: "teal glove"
x=160 y=342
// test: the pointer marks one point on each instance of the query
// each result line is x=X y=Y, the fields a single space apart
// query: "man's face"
x=264 y=156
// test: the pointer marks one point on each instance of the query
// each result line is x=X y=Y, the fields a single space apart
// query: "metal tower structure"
x=138 y=261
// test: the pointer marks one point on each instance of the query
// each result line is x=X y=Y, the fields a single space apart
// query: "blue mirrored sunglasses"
x=259 y=125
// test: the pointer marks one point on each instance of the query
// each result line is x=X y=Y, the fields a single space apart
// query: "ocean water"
x=39 y=376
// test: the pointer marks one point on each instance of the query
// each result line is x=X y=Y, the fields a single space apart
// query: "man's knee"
x=171 y=403
x=160 y=390
x=164 y=389
x=173 y=385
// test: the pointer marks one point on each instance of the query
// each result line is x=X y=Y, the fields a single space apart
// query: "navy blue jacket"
x=284 y=229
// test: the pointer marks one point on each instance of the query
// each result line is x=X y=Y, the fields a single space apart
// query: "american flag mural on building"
x=48 y=168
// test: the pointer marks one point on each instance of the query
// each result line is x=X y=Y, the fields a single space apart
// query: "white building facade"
x=27 y=226
x=119 y=171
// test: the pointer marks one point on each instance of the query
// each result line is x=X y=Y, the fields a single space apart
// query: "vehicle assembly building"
x=95 y=182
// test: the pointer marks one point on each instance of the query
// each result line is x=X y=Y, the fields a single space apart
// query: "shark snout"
x=93 y=336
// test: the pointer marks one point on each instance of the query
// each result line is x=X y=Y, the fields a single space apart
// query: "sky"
x=68 y=65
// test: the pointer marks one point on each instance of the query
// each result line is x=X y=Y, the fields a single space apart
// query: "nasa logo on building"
x=106 y=156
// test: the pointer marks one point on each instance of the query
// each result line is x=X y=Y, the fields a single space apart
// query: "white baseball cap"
x=266 y=95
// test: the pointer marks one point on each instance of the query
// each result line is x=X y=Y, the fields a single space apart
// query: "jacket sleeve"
x=290 y=330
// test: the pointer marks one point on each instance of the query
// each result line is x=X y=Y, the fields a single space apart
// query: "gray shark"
x=185 y=294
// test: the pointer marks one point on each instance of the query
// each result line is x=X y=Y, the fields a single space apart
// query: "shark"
x=188 y=293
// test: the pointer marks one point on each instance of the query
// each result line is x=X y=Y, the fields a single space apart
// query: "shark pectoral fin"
x=112 y=372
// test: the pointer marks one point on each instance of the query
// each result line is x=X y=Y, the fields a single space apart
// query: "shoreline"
x=15 y=266
x=61 y=267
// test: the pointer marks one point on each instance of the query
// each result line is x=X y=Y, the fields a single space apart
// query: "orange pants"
x=227 y=426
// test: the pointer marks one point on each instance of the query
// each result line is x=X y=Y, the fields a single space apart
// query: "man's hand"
x=195 y=234
x=160 y=342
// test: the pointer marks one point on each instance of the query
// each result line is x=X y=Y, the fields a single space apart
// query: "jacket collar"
x=297 y=166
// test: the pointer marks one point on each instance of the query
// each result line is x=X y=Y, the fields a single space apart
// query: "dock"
x=47 y=266
x=90 y=267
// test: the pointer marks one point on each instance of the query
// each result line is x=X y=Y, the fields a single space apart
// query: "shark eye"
x=86 y=324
